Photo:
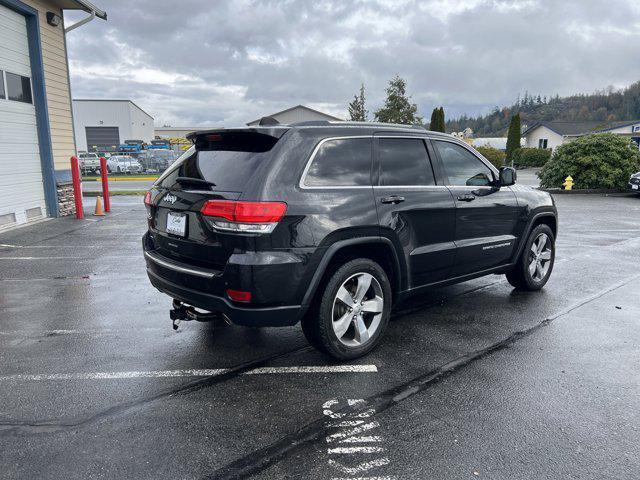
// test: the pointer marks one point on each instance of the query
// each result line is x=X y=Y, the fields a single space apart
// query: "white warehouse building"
x=104 y=124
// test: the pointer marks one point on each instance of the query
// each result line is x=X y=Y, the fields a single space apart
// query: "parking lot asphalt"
x=474 y=380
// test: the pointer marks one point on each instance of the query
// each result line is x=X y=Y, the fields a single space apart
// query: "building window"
x=18 y=88
x=2 y=95
x=542 y=143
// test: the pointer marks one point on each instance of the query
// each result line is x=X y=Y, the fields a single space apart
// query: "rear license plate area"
x=177 y=224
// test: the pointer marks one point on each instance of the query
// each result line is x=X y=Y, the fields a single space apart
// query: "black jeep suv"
x=332 y=223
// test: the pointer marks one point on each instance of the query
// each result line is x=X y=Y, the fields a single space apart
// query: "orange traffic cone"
x=99 y=211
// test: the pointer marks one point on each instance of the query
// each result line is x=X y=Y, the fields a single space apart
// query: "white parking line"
x=71 y=258
x=188 y=373
x=316 y=369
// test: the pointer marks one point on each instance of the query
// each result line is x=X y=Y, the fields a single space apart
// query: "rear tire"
x=353 y=311
x=536 y=260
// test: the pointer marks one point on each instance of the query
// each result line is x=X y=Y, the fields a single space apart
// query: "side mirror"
x=507 y=176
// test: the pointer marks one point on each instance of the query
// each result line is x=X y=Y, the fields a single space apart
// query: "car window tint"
x=341 y=162
x=405 y=161
x=227 y=159
x=463 y=167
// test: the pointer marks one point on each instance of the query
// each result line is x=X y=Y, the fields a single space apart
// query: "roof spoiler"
x=277 y=131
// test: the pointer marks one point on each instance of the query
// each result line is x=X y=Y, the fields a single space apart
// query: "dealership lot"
x=473 y=380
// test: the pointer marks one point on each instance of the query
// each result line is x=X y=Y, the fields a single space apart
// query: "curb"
x=583 y=191
x=117 y=193
x=121 y=179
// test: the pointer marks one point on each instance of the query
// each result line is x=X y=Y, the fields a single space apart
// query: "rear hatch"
x=217 y=167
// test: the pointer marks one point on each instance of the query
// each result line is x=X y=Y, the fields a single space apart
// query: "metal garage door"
x=99 y=137
x=21 y=188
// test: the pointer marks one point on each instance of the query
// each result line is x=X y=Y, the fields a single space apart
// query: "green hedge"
x=531 y=157
x=602 y=160
x=495 y=156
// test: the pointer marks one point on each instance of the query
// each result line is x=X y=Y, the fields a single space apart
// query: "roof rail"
x=329 y=123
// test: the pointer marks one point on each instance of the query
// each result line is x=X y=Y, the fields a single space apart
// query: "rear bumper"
x=251 y=317
x=204 y=289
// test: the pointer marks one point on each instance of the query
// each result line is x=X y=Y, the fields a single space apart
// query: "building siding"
x=56 y=80
x=553 y=139
x=132 y=122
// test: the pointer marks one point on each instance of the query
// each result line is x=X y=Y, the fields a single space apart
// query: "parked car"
x=332 y=223
x=634 y=183
x=156 y=160
x=89 y=163
x=123 y=164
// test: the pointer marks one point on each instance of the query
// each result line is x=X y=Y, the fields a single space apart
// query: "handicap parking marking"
x=305 y=369
x=346 y=428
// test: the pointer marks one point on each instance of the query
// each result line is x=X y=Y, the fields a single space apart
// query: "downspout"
x=79 y=23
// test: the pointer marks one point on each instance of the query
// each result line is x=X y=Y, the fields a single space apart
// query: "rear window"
x=227 y=160
x=341 y=162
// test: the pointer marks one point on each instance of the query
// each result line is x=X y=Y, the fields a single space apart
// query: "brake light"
x=147 y=198
x=239 y=296
x=241 y=216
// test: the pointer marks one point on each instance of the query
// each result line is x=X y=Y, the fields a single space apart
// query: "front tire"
x=536 y=261
x=353 y=311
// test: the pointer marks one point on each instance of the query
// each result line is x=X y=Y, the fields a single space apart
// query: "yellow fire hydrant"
x=568 y=183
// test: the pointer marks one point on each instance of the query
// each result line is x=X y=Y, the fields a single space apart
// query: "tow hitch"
x=181 y=312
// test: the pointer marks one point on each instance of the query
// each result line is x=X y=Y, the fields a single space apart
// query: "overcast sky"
x=204 y=62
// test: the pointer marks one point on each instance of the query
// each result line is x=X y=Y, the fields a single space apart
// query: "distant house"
x=299 y=113
x=553 y=134
x=495 y=142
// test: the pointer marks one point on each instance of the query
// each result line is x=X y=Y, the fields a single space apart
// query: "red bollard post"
x=104 y=175
x=77 y=187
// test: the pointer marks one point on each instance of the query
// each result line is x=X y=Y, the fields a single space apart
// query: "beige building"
x=297 y=114
x=36 y=122
x=177 y=132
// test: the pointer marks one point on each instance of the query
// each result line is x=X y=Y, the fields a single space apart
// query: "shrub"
x=602 y=160
x=531 y=157
x=495 y=156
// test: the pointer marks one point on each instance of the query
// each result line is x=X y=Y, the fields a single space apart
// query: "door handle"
x=466 y=198
x=394 y=199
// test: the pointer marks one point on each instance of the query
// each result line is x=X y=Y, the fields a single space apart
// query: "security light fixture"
x=53 y=19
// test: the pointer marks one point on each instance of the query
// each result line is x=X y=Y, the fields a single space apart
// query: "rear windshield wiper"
x=194 y=181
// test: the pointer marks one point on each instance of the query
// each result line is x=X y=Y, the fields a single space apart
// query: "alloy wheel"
x=357 y=309
x=540 y=257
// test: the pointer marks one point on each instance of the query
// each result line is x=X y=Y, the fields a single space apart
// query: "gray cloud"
x=200 y=62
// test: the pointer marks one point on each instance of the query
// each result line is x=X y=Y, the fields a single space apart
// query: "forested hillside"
x=607 y=105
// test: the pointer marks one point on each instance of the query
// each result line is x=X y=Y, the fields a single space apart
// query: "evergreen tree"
x=513 y=137
x=442 y=123
x=433 y=124
x=357 y=110
x=397 y=107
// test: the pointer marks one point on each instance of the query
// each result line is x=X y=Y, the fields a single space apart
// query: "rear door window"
x=340 y=162
x=405 y=161
x=227 y=160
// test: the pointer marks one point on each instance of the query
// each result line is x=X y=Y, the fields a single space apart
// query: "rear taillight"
x=239 y=295
x=240 y=216
x=147 y=199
